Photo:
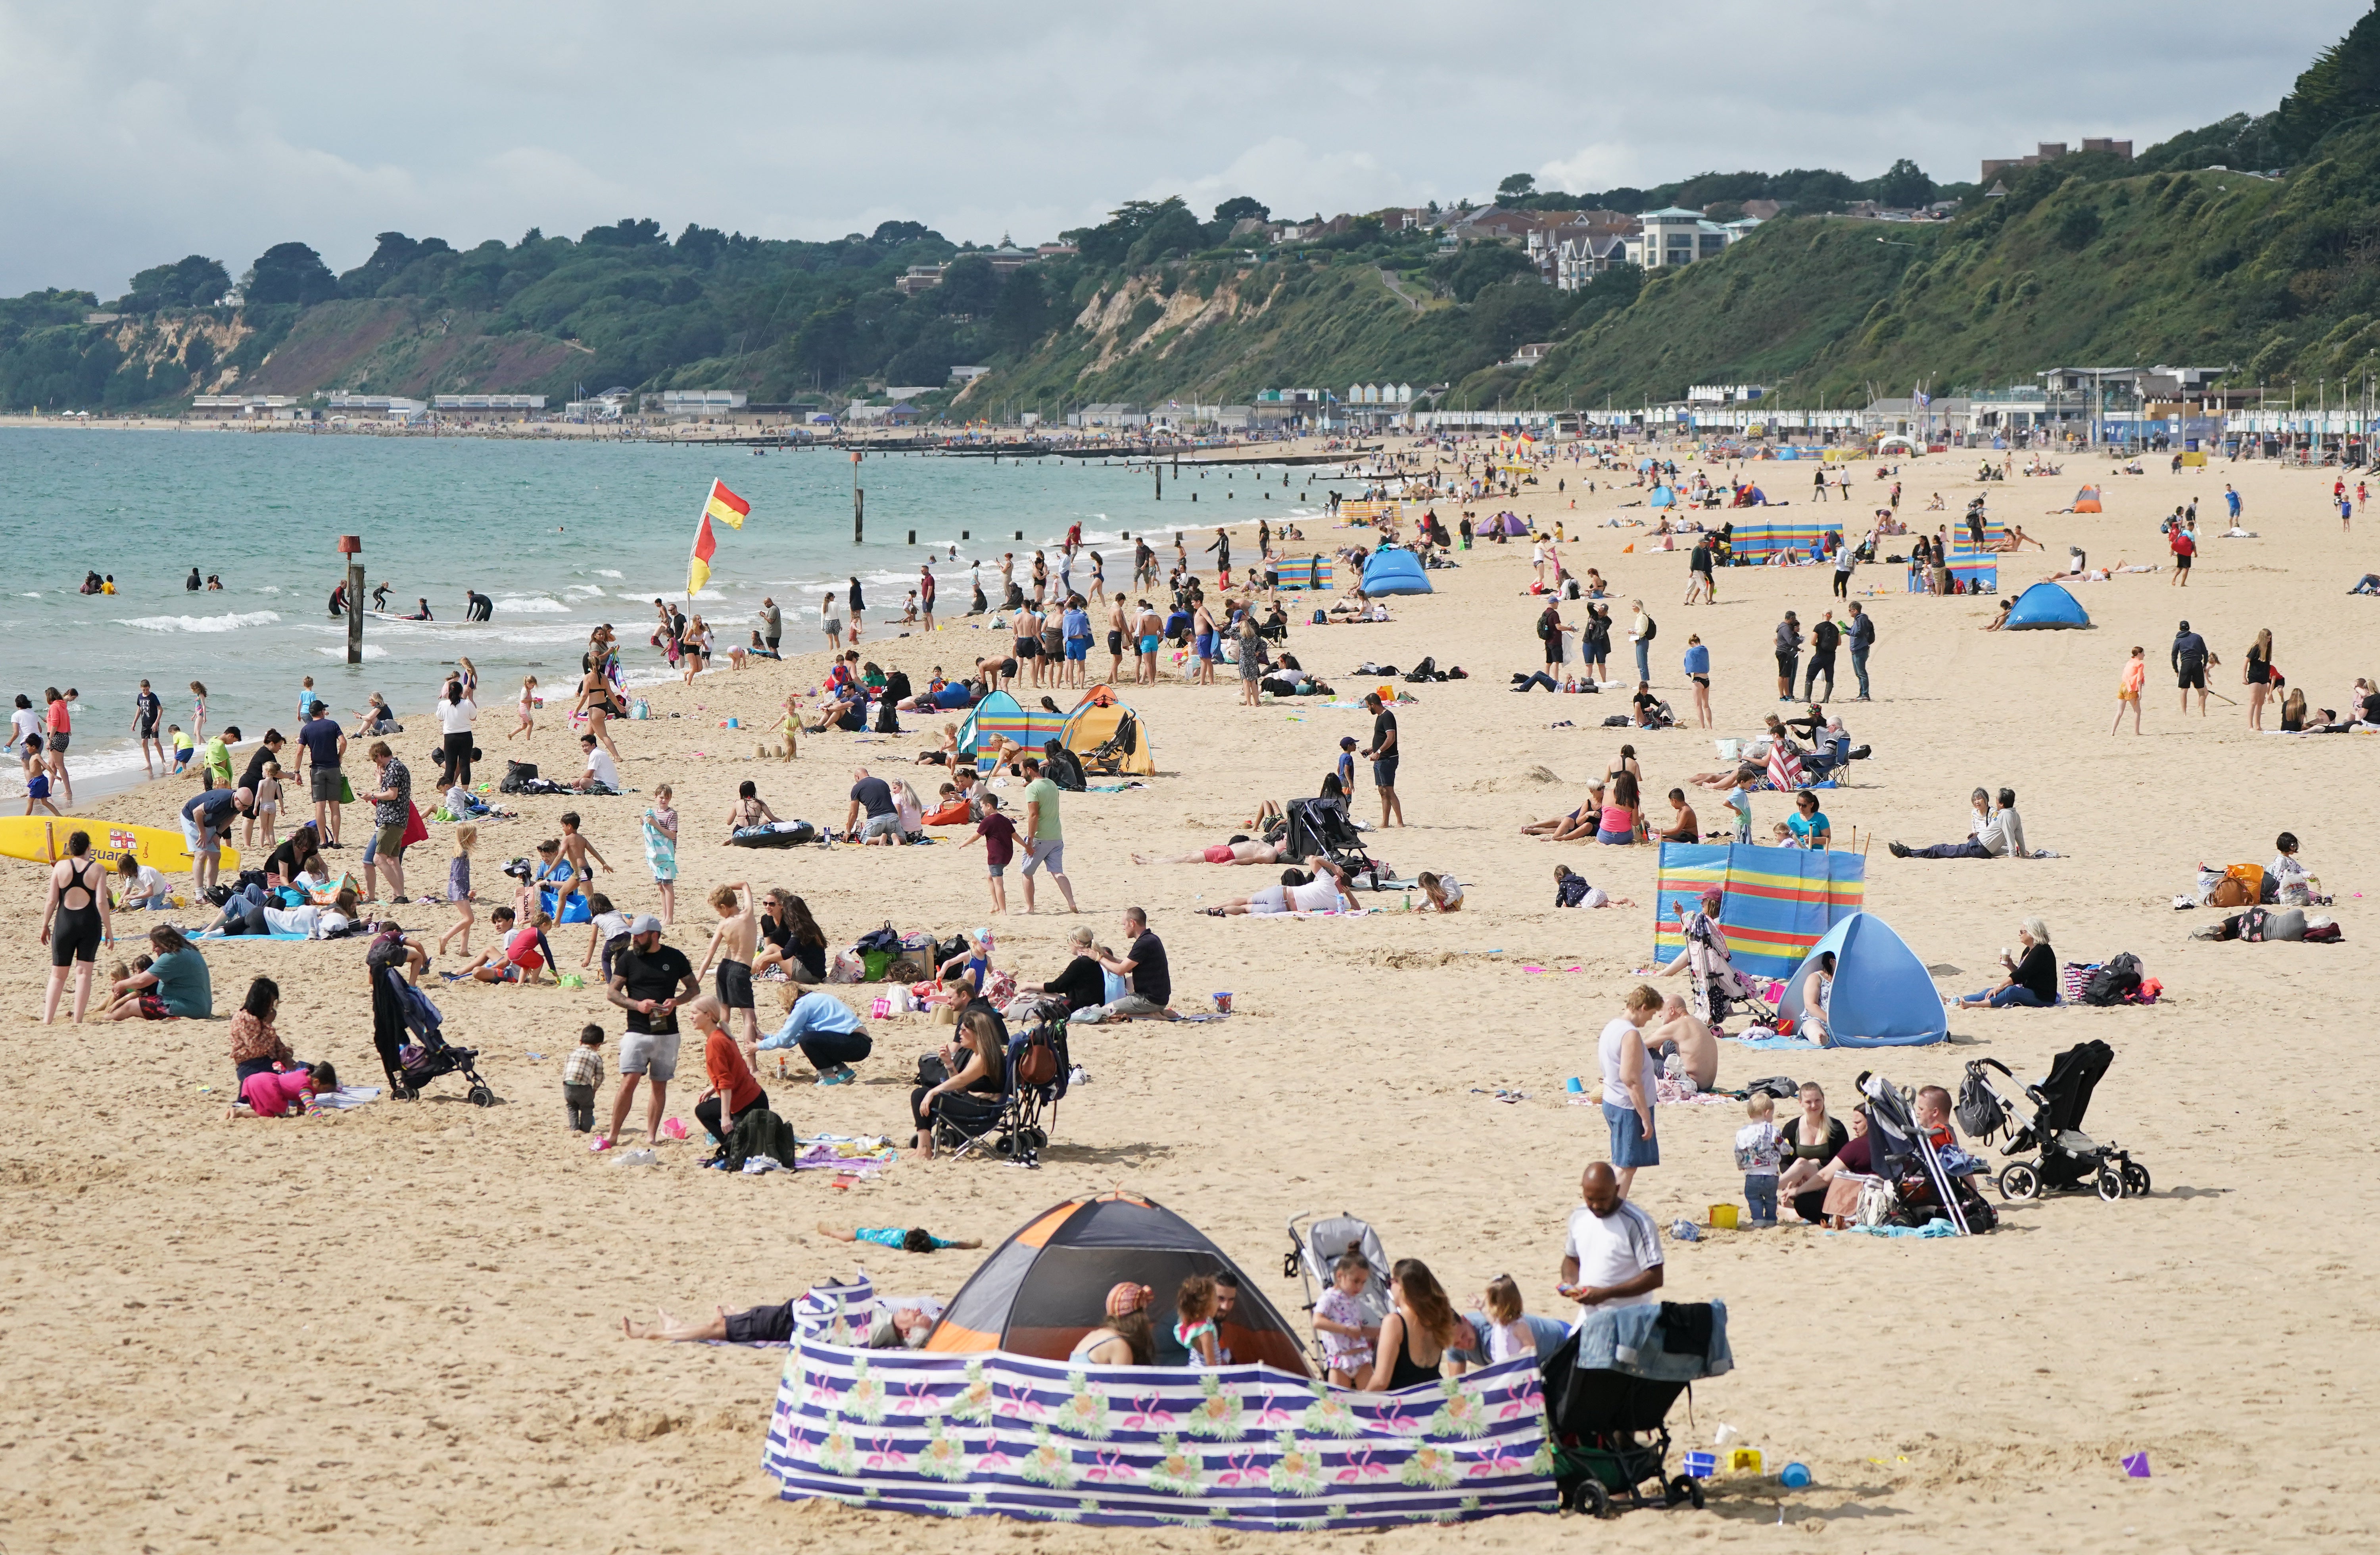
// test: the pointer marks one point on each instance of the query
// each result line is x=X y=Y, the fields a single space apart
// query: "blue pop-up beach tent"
x=1883 y=997
x=2045 y=607
x=1393 y=571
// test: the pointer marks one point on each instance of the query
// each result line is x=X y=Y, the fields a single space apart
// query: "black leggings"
x=457 y=755
x=706 y=1111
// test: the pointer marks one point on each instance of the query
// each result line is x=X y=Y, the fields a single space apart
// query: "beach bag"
x=1778 y=1085
x=346 y=790
x=2119 y=977
x=517 y=775
x=883 y=939
x=416 y=829
x=1037 y=1064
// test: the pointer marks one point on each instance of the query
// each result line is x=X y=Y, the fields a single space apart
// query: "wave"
x=607 y=572
x=532 y=604
x=372 y=650
x=203 y=623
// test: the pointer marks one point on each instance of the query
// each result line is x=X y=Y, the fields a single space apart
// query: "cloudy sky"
x=131 y=134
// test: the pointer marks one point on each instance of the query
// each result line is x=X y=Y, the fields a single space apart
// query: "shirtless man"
x=732 y=943
x=1683 y=1033
x=1116 y=625
x=1222 y=853
x=1152 y=630
x=1025 y=627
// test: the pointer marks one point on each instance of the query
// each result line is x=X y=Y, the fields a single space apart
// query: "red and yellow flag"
x=729 y=509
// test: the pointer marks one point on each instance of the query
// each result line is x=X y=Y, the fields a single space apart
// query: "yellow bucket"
x=1723 y=1216
x=1744 y=1460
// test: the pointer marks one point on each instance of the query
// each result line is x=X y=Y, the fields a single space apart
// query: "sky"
x=132 y=134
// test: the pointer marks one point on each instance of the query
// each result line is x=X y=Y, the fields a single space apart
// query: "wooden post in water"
x=352 y=547
x=858 y=501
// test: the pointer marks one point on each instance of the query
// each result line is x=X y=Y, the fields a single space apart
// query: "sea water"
x=561 y=535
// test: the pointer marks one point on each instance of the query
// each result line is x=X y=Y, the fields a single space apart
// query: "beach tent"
x=1393 y=571
x=1509 y=524
x=1662 y=496
x=1882 y=997
x=1780 y=901
x=1001 y=714
x=1755 y=498
x=1896 y=444
x=2045 y=607
x=1047 y=1285
x=1094 y=722
x=1760 y=538
x=2087 y=500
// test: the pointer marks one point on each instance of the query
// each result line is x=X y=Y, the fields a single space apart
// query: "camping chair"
x=1014 y=1124
x=1108 y=757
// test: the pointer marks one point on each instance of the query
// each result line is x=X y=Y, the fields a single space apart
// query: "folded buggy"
x=1609 y=1389
x=1922 y=1182
x=2046 y=1126
x=1320 y=827
x=1313 y=1257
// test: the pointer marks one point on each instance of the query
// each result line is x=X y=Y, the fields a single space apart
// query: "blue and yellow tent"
x=1780 y=901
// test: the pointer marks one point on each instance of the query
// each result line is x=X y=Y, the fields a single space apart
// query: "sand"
x=398 y=1328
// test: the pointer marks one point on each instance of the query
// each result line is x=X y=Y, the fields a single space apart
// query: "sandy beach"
x=398 y=1327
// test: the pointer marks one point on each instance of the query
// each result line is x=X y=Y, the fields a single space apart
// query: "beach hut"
x=2045 y=607
x=1882 y=995
x=1000 y=716
x=1393 y=571
x=1095 y=720
x=1780 y=901
x=2087 y=500
x=1044 y=1287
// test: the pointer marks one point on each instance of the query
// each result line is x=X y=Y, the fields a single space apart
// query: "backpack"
x=1425 y=670
x=2117 y=981
x=517 y=774
x=1037 y=1064
x=1545 y=629
x=1778 y=1085
x=1979 y=1111
x=1652 y=630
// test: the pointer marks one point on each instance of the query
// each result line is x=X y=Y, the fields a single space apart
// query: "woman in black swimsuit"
x=975 y=1088
x=76 y=920
x=1415 y=1337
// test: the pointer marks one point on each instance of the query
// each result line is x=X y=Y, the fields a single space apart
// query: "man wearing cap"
x=649 y=980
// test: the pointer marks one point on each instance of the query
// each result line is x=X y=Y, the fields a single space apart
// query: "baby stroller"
x=1609 y=1389
x=2064 y=1159
x=428 y=1056
x=1320 y=827
x=1719 y=990
x=1314 y=1256
x=1015 y=1124
x=1925 y=1184
x=1108 y=757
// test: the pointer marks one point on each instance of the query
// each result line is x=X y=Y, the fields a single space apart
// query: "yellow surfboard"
x=43 y=839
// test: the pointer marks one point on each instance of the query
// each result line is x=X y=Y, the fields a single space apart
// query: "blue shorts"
x=1614 y=838
x=1632 y=1143
x=1384 y=772
x=1205 y=646
x=1149 y=645
x=1078 y=649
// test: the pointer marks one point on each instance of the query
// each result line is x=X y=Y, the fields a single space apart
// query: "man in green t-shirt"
x=1045 y=844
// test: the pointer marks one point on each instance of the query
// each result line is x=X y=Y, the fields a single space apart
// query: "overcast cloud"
x=133 y=134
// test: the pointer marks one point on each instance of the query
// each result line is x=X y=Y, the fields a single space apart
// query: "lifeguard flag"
x=730 y=509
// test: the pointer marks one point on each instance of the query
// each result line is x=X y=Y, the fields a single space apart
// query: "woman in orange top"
x=732 y=1091
x=2127 y=692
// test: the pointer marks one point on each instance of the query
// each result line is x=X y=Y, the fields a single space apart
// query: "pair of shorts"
x=1701 y=680
x=1384 y=772
x=1220 y=854
x=1204 y=646
x=58 y=740
x=152 y=1007
x=195 y=844
x=2193 y=674
x=1149 y=645
x=73 y=941
x=879 y=825
x=1115 y=642
x=994 y=871
x=1078 y=649
x=1615 y=838
x=1029 y=648
x=735 y=984
x=1786 y=664
x=761 y=1325
x=388 y=842
x=2181 y=562
x=649 y=1053
x=325 y=782
x=1046 y=850
x=1633 y=1143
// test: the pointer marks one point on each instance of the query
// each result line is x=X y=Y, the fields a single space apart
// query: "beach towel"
x=1771 y=1044
x=347 y=1096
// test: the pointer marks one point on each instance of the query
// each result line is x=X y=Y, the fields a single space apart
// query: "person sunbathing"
x=1578 y=825
x=900 y=1328
x=1317 y=888
x=1240 y=851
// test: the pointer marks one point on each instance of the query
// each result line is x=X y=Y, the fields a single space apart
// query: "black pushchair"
x=1607 y=1421
x=1109 y=758
x=1320 y=827
x=2063 y=1159
x=430 y=1056
x=1926 y=1183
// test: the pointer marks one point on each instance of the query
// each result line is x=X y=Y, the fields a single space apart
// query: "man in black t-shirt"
x=1143 y=963
x=649 y=980
x=1825 y=637
x=874 y=795
x=325 y=743
x=1384 y=754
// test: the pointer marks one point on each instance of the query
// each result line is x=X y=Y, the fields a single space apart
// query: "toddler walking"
x=660 y=849
x=582 y=1075
x=1759 y=1151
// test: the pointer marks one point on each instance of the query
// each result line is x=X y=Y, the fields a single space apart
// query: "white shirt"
x=602 y=769
x=146 y=887
x=456 y=717
x=27 y=721
x=1318 y=895
x=1617 y=1037
x=1508 y=1341
x=1613 y=1249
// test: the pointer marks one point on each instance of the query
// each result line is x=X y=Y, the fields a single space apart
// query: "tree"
x=289 y=273
x=630 y=233
x=1022 y=315
x=1511 y=315
x=890 y=233
x=1520 y=185
x=1903 y=187
x=969 y=285
x=2342 y=83
x=2076 y=225
x=1174 y=231
x=1475 y=266
x=825 y=341
x=194 y=281
x=1239 y=207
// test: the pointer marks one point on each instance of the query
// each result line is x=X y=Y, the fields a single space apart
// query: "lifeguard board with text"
x=43 y=839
